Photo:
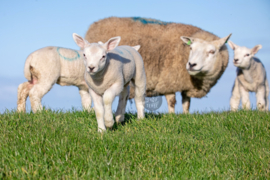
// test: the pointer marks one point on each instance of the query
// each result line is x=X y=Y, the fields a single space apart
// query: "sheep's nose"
x=192 y=65
x=91 y=68
x=235 y=60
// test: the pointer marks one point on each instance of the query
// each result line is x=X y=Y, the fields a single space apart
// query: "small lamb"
x=47 y=66
x=251 y=77
x=108 y=71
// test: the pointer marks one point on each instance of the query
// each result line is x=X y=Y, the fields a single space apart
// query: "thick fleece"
x=164 y=54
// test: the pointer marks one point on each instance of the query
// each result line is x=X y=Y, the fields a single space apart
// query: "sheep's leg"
x=171 y=102
x=121 y=109
x=261 y=97
x=185 y=102
x=235 y=99
x=108 y=98
x=85 y=97
x=140 y=99
x=99 y=110
x=266 y=95
x=37 y=92
x=245 y=97
x=23 y=93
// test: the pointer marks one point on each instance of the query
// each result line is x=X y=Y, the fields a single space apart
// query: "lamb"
x=251 y=77
x=108 y=71
x=165 y=57
x=47 y=66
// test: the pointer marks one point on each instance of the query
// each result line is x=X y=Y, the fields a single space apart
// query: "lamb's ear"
x=222 y=41
x=136 y=47
x=187 y=40
x=112 y=43
x=100 y=42
x=232 y=45
x=79 y=40
x=255 y=49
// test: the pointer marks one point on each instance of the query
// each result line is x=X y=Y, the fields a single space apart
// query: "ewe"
x=251 y=77
x=165 y=57
x=47 y=66
x=109 y=69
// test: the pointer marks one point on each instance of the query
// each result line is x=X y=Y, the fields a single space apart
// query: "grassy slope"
x=67 y=145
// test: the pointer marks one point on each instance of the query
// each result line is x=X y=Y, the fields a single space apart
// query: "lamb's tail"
x=267 y=94
x=27 y=65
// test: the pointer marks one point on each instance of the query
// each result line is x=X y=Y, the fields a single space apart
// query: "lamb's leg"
x=99 y=110
x=235 y=99
x=121 y=109
x=261 y=97
x=266 y=95
x=245 y=97
x=171 y=102
x=85 y=97
x=185 y=102
x=23 y=93
x=37 y=92
x=108 y=98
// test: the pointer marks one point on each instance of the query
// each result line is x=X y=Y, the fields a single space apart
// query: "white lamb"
x=251 y=77
x=109 y=69
x=47 y=66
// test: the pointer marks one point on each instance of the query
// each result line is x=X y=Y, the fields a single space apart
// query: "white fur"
x=50 y=65
x=251 y=77
x=203 y=54
x=109 y=69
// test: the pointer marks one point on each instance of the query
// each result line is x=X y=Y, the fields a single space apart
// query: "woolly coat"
x=164 y=54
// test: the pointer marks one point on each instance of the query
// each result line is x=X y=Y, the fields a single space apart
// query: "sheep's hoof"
x=100 y=130
x=109 y=124
x=119 y=118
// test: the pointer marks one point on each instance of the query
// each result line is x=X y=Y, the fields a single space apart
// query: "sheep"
x=108 y=71
x=47 y=66
x=165 y=58
x=251 y=77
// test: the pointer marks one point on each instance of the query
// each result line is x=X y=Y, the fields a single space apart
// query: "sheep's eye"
x=247 y=55
x=212 y=52
x=103 y=56
x=190 y=48
x=84 y=55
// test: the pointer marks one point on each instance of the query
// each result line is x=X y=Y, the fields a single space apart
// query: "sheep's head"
x=95 y=54
x=243 y=55
x=203 y=54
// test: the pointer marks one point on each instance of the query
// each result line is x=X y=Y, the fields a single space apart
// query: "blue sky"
x=32 y=24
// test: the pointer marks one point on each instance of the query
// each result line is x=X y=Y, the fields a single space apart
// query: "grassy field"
x=66 y=145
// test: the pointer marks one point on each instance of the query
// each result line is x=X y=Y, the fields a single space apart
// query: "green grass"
x=66 y=145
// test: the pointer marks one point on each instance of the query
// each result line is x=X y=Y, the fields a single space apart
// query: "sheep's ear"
x=255 y=49
x=136 y=47
x=232 y=45
x=187 y=40
x=112 y=43
x=79 y=40
x=100 y=42
x=222 y=41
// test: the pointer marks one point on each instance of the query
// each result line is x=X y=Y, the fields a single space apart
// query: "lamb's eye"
x=247 y=55
x=103 y=56
x=212 y=52
x=190 y=48
x=84 y=55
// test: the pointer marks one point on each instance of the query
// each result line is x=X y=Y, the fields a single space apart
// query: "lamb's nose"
x=192 y=65
x=91 y=68
x=235 y=60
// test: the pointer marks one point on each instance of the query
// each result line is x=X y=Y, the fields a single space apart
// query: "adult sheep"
x=165 y=55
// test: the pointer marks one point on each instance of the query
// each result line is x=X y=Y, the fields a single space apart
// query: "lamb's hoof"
x=109 y=124
x=100 y=130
